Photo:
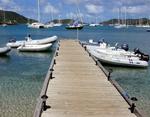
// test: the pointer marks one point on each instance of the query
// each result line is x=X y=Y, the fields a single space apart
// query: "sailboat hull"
x=74 y=28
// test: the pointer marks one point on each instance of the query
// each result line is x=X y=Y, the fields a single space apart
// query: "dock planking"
x=80 y=88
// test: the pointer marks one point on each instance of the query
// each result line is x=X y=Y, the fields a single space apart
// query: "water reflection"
x=35 y=54
x=5 y=58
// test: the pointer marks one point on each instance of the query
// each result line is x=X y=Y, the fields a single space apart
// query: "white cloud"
x=138 y=9
x=72 y=15
x=9 y=5
x=94 y=9
x=73 y=1
x=141 y=9
x=43 y=1
x=6 y=1
x=50 y=9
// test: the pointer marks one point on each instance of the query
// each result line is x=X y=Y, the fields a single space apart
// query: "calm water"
x=22 y=74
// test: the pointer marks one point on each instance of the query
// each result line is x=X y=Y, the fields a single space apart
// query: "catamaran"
x=37 y=24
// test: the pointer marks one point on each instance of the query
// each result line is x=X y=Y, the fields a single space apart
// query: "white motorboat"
x=119 y=60
x=120 y=26
x=94 y=25
x=34 y=48
x=118 y=56
x=58 y=24
x=106 y=49
x=4 y=50
x=49 y=25
x=36 y=25
x=29 y=41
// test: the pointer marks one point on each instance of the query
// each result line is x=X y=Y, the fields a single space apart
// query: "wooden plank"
x=80 y=88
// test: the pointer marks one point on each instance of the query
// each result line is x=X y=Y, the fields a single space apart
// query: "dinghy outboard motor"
x=91 y=41
x=125 y=47
x=101 y=41
x=137 y=51
x=12 y=40
x=143 y=56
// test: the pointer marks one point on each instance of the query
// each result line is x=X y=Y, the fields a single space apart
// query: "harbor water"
x=22 y=74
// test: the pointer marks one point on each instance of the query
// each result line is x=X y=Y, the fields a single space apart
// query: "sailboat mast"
x=118 y=15
x=59 y=19
x=39 y=17
x=125 y=16
x=79 y=13
x=4 y=17
x=52 y=18
x=95 y=19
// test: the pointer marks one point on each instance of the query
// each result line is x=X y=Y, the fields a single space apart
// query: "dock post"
x=54 y=62
x=109 y=74
x=51 y=69
x=132 y=108
x=96 y=62
x=85 y=47
x=58 y=48
x=51 y=75
x=56 y=53
x=45 y=107
x=89 y=54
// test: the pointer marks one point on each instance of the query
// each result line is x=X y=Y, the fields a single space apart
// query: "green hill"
x=63 y=21
x=13 y=18
x=142 y=21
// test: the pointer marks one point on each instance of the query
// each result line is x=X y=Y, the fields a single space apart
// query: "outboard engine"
x=91 y=41
x=101 y=41
x=143 y=56
x=125 y=47
x=137 y=51
x=12 y=40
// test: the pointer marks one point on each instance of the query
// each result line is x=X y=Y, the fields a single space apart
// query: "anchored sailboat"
x=121 y=24
x=94 y=24
x=4 y=24
x=59 y=23
x=37 y=24
x=77 y=24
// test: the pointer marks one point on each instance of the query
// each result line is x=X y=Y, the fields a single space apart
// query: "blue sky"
x=102 y=9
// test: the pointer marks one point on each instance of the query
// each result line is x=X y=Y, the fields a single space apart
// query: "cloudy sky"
x=89 y=9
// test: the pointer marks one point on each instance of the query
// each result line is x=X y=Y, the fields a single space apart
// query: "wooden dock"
x=80 y=89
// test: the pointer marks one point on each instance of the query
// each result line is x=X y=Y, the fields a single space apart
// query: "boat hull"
x=74 y=28
x=4 y=50
x=125 y=61
x=34 y=48
x=32 y=42
x=37 y=25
